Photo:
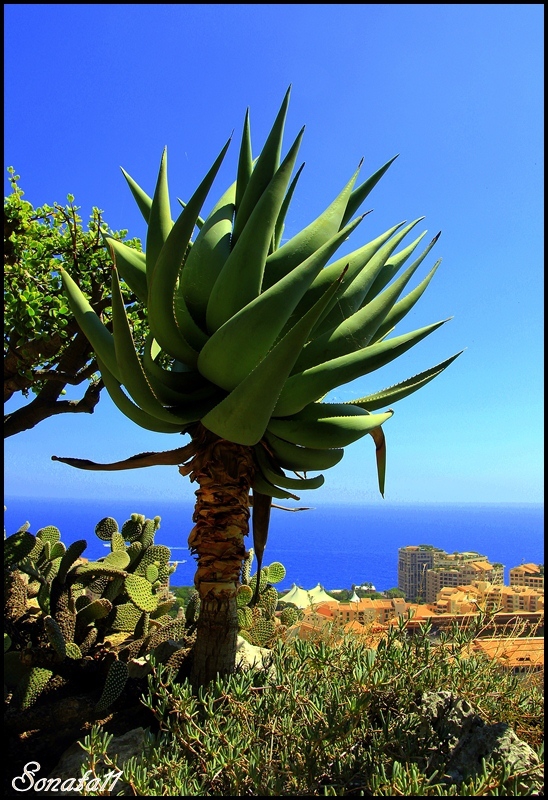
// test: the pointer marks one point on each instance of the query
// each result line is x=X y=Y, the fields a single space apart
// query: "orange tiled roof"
x=524 y=652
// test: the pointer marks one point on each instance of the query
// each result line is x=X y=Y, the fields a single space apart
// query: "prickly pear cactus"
x=192 y=609
x=258 y=619
x=289 y=616
x=114 y=685
x=60 y=608
x=105 y=529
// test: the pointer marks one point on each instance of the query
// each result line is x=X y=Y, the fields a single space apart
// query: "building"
x=514 y=655
x=458 y=600
x=511 y=598
x=453 y=569
x=367 y=611
x=460 y=569
x=466 y=599
x=531 y=575
x=413 y=562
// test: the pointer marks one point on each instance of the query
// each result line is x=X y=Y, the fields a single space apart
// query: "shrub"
x=330 y=719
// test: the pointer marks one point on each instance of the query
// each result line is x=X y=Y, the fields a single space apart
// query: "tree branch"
x=66 y=377
x=39 y=409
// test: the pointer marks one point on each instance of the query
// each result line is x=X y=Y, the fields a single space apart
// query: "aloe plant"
x=247 y=334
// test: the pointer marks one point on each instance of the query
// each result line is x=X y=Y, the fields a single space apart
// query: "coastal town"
x=440 y=589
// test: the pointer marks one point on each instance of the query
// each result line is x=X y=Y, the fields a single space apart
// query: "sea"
x=335 y=546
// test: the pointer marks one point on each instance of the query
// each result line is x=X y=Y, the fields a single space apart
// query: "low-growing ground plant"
x=329 y=719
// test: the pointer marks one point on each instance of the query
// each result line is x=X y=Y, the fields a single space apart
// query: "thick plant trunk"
x=224 y=471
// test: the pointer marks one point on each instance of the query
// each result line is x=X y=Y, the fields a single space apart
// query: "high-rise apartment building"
x=423 y=570
x=460 y=569
x=531 y=575
x=413 y=563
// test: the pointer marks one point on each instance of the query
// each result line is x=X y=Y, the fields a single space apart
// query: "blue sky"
x=456 y=90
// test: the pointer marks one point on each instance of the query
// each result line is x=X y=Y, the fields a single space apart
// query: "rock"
x=496 y=742
x=69 y=766
x=457 y=740
x=249 y=656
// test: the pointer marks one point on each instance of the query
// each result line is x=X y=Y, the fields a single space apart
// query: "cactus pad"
x=268 y=601
x=17 y=547
x=66 y=621
x=105 y=528
x=164 y=607
x=73 y=651
x=177 y=658
x=81 y=602
x=92 y=611
x=246 y=569
x=134 y=551
x=118 y=559
x=126 y=617
x=55 y=636
x=192 y=608
x=43 y=598
x=72 y=553
x=276 y=572
x=263 y=580
x=245 y=618
x=132 y=528
x=140 y=592
x=98 y=585
x=289 y=616
x=31 y=686
x=151 y=573
x=117 y=542
x=244 y=595
x=262 y=632
x=33 y=587
x=58 y=550
x=36 y=550
x=15 y=596
x=24 y=527
x=98 y=568
x=164 y=572
x=142 y=627
x=89 y=641
x=147 y=535
x=157 y=554
x=114 y=588
x=173 y=630
x=114 y=685
x=51 y=568
x=49 y=534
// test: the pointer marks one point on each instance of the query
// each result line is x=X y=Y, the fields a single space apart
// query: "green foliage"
x=114 y=684
x=331 y=720
x=257 y=618
x=247 y=335
x=181 y=594
x=40 y=354
x=395 y=592
x=192 y=608
x=31 y=686
x=83 y=609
